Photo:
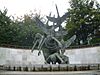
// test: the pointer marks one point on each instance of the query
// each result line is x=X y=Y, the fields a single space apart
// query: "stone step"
x=51 y=67
x=50 y=73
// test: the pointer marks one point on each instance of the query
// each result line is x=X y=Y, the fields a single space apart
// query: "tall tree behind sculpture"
x=53 y=40
x=6 y=29
x=84 y=19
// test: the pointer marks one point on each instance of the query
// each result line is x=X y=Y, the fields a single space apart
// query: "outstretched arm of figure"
x=59 y=43
x=58 y=56
x=42 y=26
x=69 y=41
x=41 y=45
x=34 y=45
x=40 y=41
x=38 y=38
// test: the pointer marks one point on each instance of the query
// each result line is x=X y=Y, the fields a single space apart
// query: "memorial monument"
x=51 y=42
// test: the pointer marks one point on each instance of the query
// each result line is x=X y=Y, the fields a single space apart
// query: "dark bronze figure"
x=52 y=43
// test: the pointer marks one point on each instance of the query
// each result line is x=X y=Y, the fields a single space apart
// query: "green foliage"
x=83 y=20
x=17 y=32
x=95 y=41
x=5 y=27
x=26 y=30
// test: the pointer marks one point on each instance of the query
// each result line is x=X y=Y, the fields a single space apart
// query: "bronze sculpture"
x=52 y=42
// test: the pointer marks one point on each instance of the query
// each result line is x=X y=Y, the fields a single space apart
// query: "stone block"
x=54 y=67
x=46 y=67
x=38 y=67
x=78 y=67
x=94 y=67
x=70 y=67
x=98 y=66
x=85 y=67
x=63 y=67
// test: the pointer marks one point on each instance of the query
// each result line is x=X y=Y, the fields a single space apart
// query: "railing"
x=48 y=67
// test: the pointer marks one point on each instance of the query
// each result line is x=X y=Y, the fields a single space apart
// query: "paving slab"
x=50 y=73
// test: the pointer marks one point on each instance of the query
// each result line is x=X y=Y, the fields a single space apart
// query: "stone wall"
x=89 y=55
x=20 y=56
x=25 y=57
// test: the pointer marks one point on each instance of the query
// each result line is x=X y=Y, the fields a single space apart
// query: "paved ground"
x=50 y=73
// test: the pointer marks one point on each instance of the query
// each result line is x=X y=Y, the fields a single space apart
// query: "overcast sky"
x=21 y=7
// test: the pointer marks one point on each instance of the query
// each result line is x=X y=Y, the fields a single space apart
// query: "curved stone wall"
x=25 y=57
x=88 y=55
x=20 y=56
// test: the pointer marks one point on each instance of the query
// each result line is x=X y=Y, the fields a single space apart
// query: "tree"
x=5 y=28
x=83 y=20
x=18 y=32
x=26 y=29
